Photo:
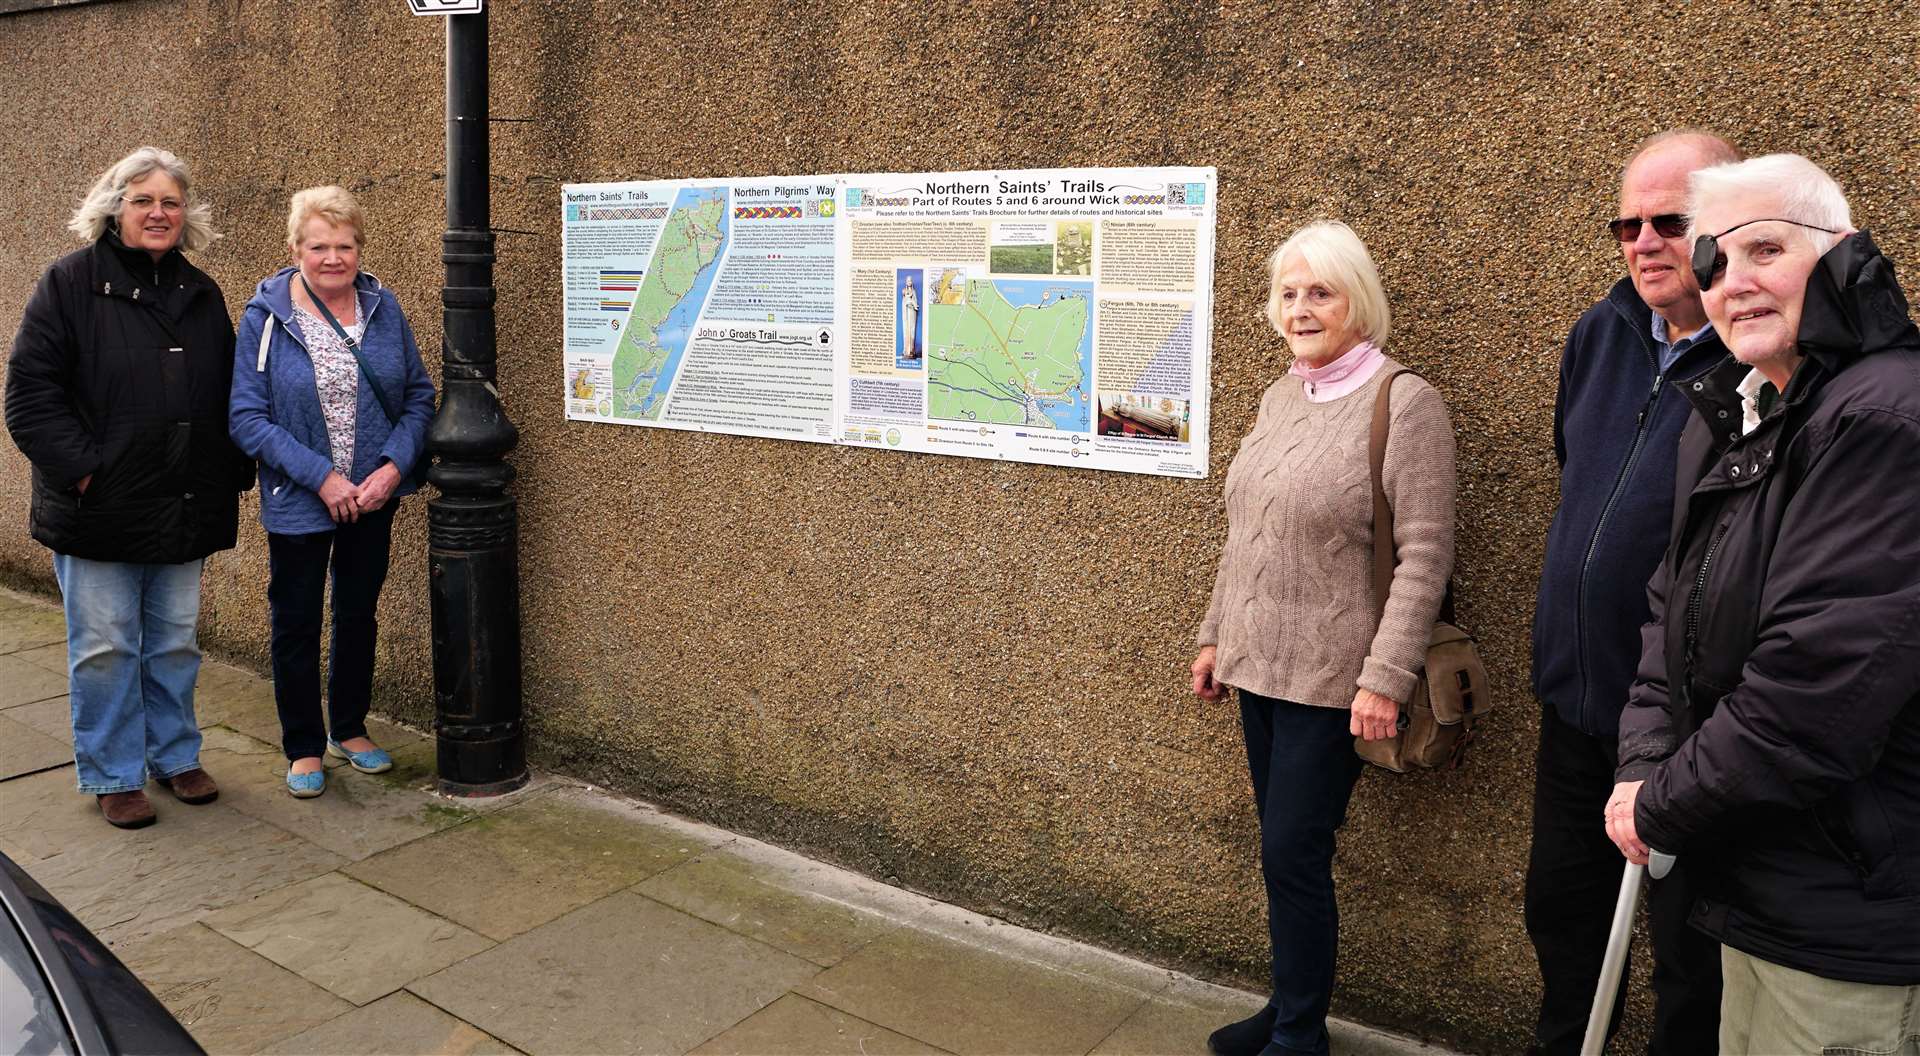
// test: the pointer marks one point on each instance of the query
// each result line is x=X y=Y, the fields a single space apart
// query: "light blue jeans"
x=131 y=664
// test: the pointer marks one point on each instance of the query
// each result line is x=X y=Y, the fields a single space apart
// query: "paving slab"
x=24 y=750
x=541 y=858
x=11 y=599
x=30 y=628
x=221 y=673
x=53 y=717
x=805 y=908
x=127 y=885
x=625 y=974
x=359 y=815
x=231 y=999
x=936 y=988
x=47 y=656
x=397 y=1023
x=416 y=767
x=1178 y=1020
x=243 y=705
x=44 y=814
x=357 y=942
x=24 y=683
x=795 y=1026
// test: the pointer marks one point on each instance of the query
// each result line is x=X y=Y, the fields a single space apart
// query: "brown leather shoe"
x=192 y=786
x=127 y=810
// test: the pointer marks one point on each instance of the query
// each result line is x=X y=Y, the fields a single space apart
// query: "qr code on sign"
x=1176 y=194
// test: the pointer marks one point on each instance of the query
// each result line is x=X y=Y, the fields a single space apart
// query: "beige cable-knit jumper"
x=1293 y=612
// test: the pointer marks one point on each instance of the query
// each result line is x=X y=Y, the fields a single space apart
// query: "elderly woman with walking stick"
x=1772 y=736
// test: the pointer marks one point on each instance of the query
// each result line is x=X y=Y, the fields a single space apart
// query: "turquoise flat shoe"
x=376 y=761
x=306 y=786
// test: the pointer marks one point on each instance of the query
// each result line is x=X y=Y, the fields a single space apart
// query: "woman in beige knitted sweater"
x=1292 y=623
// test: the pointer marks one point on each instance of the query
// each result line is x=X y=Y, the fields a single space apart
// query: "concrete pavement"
x=383 y=918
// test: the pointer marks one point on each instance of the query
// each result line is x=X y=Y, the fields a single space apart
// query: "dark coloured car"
x=61 y=990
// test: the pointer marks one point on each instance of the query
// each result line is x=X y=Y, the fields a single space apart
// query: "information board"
x=1057 y=316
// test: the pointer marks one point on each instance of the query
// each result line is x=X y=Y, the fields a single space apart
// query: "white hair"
x=102 y=203
x=1804 y=190
x=1337 y=257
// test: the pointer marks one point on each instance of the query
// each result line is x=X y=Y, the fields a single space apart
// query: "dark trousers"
x=1573 y=881
x=299 y=564
x=1303 y=767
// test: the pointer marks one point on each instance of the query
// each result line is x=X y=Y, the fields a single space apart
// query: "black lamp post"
x=473 y=525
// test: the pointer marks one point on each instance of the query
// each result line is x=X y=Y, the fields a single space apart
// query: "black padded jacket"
x=1776 y=713
x=121 y=369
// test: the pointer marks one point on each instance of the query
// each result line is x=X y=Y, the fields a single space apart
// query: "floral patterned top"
x=337 y=376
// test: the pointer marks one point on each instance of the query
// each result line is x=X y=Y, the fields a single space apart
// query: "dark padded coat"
x=121 y=369
x=1776 y=715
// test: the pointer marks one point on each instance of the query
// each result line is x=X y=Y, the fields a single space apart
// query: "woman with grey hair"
x=117 y=395
x=1319 y=654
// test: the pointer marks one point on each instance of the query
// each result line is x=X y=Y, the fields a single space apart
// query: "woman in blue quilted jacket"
x=329 y=393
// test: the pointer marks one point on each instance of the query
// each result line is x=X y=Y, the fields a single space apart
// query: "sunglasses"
x=1709 y=263
x=1666 y=225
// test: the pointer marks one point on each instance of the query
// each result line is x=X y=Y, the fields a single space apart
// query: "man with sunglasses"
x=1616 y=422
x=1773 y=733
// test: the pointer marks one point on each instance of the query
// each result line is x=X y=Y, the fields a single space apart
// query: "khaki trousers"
x=1770 y=1010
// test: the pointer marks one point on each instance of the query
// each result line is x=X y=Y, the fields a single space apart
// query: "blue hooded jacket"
x=1616 y=433
x=274 y=413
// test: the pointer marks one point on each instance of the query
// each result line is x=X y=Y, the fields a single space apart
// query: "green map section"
x=992 y=362
x=642 y=364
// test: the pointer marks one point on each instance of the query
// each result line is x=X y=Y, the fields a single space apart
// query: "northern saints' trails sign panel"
x=1060 y=316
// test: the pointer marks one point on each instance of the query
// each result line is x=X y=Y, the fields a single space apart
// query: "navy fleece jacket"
x=1616 y=427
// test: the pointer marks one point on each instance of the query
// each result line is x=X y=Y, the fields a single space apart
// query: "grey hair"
x=102 y=201
x=1804 y=190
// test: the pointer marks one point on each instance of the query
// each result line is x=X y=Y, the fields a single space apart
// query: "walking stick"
x=1615 y=962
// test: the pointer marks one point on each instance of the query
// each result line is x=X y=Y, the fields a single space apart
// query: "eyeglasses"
x=140 y=203
x=1709 y=263
x=1666 y=225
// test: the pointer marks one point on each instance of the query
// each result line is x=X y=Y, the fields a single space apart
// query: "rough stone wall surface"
x=964 y=676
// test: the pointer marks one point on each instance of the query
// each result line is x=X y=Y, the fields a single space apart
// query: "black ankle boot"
x=1245 y=1038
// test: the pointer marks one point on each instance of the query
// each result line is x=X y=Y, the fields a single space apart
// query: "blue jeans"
x=1303 y=766
x=131 y=664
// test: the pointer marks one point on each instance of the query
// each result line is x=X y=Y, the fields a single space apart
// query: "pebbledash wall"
x=962 y=676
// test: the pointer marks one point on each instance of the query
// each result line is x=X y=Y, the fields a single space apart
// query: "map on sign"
x=1010 y=352
x=654 y=341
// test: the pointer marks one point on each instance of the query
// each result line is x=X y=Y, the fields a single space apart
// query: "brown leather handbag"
x=1448 y=698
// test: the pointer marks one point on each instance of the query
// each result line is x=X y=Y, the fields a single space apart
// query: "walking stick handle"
x=1659 y=864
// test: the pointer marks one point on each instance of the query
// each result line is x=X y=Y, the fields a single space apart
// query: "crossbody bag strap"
x=393 y=417
x=1383 y=551
x=1382 y=510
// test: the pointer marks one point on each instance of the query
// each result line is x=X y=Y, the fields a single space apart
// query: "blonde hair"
x=1337 y=257
x=334 y=204
x=101 y=205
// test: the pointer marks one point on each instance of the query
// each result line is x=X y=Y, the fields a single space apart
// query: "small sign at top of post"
x=445 y=7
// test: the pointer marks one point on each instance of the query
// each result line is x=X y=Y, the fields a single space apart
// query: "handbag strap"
x=359 y=358
x=1383 y=549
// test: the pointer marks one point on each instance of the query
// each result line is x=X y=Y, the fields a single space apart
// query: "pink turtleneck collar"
x=1341 y=376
